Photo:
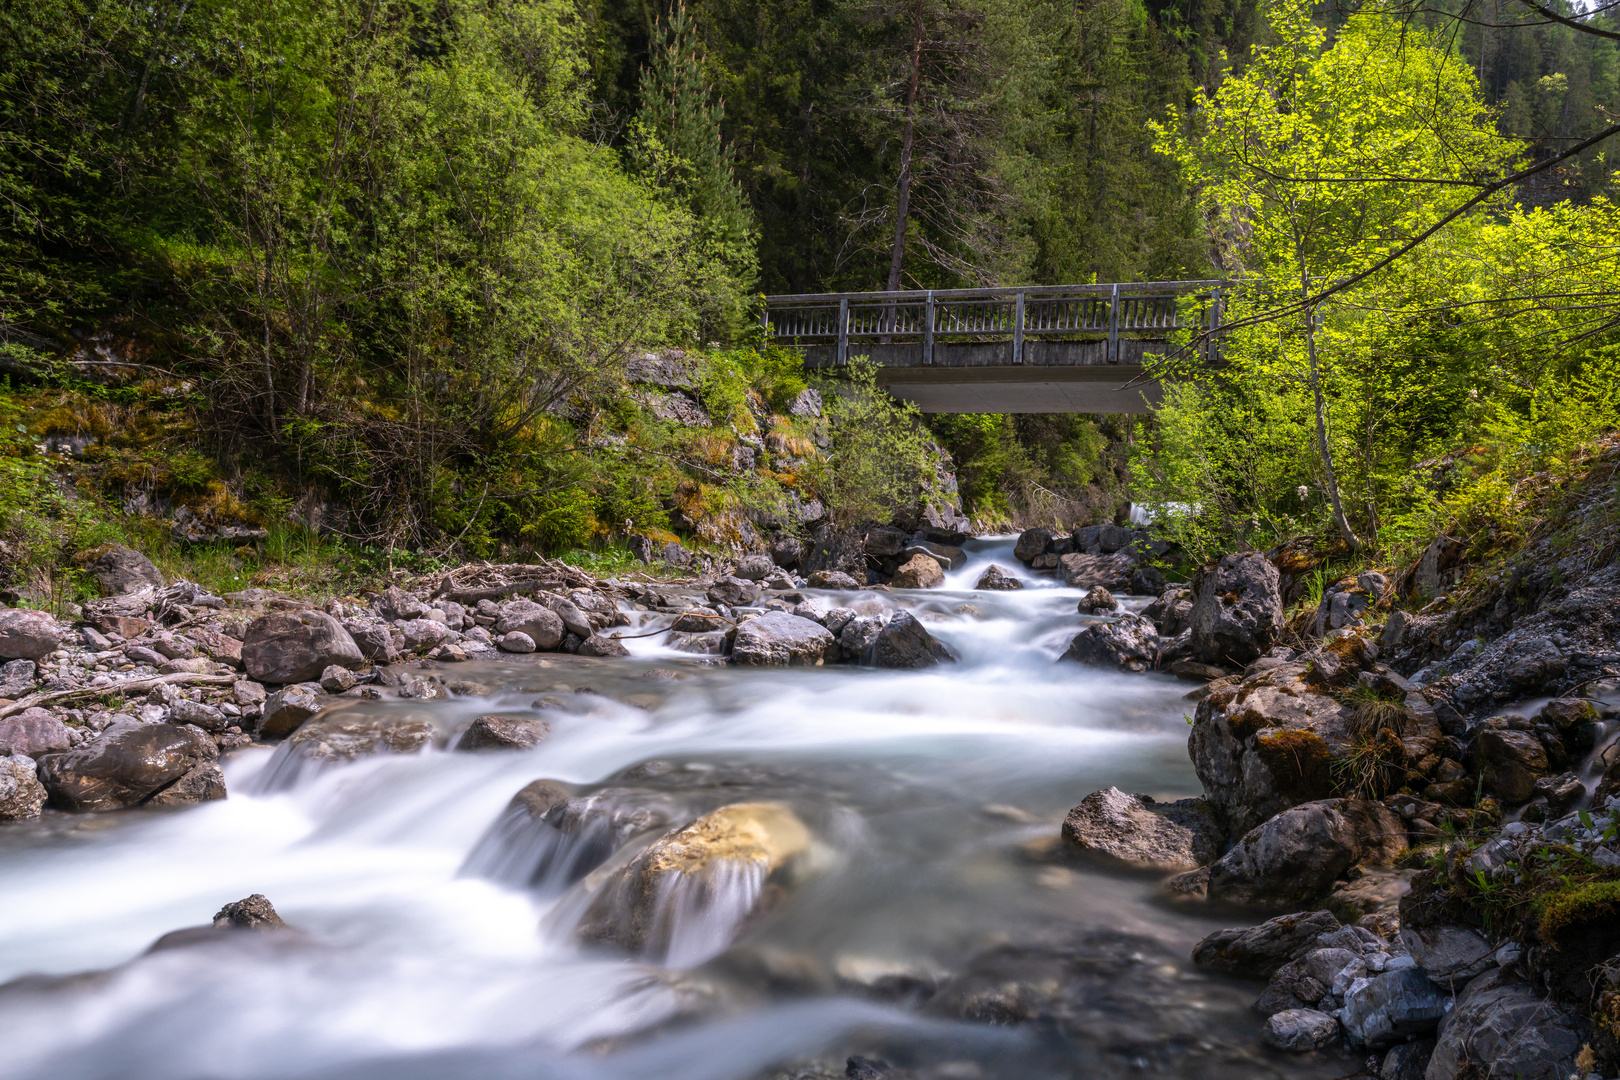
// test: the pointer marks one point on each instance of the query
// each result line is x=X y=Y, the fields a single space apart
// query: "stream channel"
x=433 y=939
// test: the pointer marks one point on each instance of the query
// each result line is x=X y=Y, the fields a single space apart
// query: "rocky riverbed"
x=761 y=823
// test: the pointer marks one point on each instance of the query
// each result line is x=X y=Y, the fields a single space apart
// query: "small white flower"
x=1304 y=491
x=1473 y=395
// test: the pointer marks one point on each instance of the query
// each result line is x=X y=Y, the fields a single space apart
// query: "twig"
x=129 y=686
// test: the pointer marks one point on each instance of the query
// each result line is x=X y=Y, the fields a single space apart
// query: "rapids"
x=434 y=933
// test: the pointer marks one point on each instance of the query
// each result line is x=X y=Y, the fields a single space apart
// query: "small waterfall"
x=550 y=850
x=696 y=916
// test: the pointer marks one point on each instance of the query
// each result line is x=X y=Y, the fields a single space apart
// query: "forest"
x=402 y=251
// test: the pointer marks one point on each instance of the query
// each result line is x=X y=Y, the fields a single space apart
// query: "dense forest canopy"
x=405 y=247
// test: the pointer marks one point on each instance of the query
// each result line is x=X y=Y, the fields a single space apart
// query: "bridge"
x=1032 y=349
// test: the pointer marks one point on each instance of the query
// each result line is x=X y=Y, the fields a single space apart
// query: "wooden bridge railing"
x=1152 y=309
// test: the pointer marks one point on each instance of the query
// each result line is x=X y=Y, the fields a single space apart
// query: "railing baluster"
x=1018 y=330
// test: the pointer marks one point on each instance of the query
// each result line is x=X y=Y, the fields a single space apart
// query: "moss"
x=1564 y=913
x=1245 y=723
x=1300 y=763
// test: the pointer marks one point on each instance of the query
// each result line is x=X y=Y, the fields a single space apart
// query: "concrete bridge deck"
x=1053 y=348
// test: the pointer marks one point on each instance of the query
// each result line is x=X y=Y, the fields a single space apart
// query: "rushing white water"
x=433 y=928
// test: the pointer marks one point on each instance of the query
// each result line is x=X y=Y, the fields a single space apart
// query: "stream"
x=432 y=937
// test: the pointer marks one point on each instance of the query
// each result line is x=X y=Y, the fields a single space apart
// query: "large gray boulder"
x=735 y=592
x=1502 y=1027
x=779 y=639
x=119 y=569
x=903 y=643
x=26 y=634
x=1257 y=952
x=1449 y=954
x=1294 y=858
x=1392 y=1007
x=1031 y=542
x=285 y=710
x=1127 y=643
x=296 y=646
x=1300 y=1030
x=1135 y=830
x=919 y=572
x=21 y=794
x=1239 y=611
x=1112 y=572
x=997 y=579
x=493 y=731
x=130 y=763
x=535 y=621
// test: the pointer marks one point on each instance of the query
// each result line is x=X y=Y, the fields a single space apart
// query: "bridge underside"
x=980 y=377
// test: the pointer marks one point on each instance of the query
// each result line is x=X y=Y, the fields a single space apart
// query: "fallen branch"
x=129 y=686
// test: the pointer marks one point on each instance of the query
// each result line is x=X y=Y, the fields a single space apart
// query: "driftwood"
x=129 y=686
x=466 y=585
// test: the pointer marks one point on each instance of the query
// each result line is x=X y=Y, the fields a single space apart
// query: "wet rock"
x=26 y=634
x=1172 y=611
x=344 y=736
x=119 y=569
x=1408 y=1061
x=1126 y=644
x=1450 y=954
x=1373 y=891
x=1391 y=1007
x=1099 y=601
x=1501 y=1027
x=685 y=897
x=1294 y=858
x=859 y=634
x=33 y=732
x=296 y=646
x=1239 y=611
x=1031 y=542
x=997 y=579
x=832 y=579
x=539 y=623
x=335 y=680
x=948 y=556
x=735 y=592
x=1135 y=830
x=781 y=640
x=1300 y=1030
x=864 y=1068
x=22 y=796
x=920 y=572
x=904 y=644
x=602 y=645
x=1511 y=762
x=374 y=642
x=1259 y=951
x=1567 y=713
x=755 y=567
x=286 y=710
x=251 y=913
x=203 y=782
x=128 y=764
x=495 y=732
x=515 y=641
x=207 y=717
x=1112 y=572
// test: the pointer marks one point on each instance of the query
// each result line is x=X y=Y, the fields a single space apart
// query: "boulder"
x=374 y=642
x=1257 y=952
x=515 y=641
x=128 y=764
x=997 y=579
x=539 y=623
x=779 y=639
x=948 y=556
x=735 y=592
x=286 y=710
x=207 y=717
x=1406 y=1061
x=1294 y=858
x=1392 y=1007
x=395 y=604
x=221 y=647
x=1511 y=762
x=574 y=620
x=252 y=913
x=1300 y=1030
x=884 y=543
x=33 y=732
x=754 y=567
x=1099 y=601
x=21 y=794
x=1502 y=1027
x=344 y=736
x=920 y=572
x=296 y=646
x=1448 y=953
x=903 y=643
x=204 y=782
x=602 y=645
x=1031 y=542
x=786 y=551
x=685 y=897
x=1172 y=611
x=422 y=635
x=17 y=677
x=1112 y=572
x=495 y=732
x=832 y=579
x=336 y=680
x=1111 y=538
x=1135 y=830
x=858 y=635
x=118 y=569
x=1239 y=611
x=1127 y=643
x=26 y=634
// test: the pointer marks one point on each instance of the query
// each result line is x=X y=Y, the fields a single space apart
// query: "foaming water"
x=435 y=919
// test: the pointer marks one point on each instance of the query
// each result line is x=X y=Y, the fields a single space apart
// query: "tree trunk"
x=1323 y=445
x=902 y=200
